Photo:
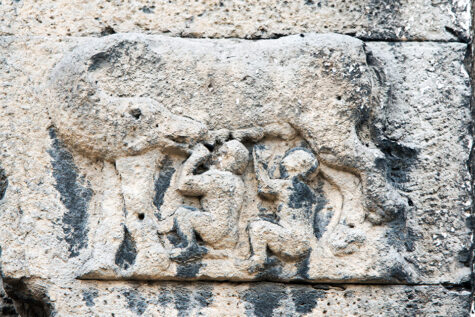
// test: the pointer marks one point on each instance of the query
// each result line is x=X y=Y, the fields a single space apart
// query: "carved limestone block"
x=141 y=105
x=306 y=158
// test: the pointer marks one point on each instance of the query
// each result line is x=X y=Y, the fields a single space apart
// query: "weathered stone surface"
x=375 y=19
x=437 y=224
x=87 y=201
x=256 y=299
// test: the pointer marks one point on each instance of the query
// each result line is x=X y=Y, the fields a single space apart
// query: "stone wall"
x=267 y=158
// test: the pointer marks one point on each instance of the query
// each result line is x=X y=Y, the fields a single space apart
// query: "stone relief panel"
x=78 y=213
x=224 y=159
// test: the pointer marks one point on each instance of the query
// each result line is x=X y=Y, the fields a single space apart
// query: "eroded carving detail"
x=253 y=168
x=221 y=192
x=295 y=201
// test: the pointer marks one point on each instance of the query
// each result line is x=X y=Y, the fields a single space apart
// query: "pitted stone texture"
x=375 y=19
x=438 y=222
x=427 y=120
x=258 y=299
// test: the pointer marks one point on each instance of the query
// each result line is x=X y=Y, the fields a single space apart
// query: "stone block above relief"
x=432 y=20
x=306 y=158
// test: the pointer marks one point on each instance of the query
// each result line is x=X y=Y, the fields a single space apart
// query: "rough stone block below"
x=101 y=298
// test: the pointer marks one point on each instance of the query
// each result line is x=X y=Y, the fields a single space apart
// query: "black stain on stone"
x=113 y=54
x=127 y=252
x=398 y=273
x=305 y=299
x=463 y=257
x=176 y=237
x=459 y=34
x=272 y=269
x=399 y=158
x=75 y=196
x=164 y=297
x=269 y=272
x=372 y=128
x=263 y=299
x=191 y=251
x=401 y=236
x=186 y=300
x=410 y=239
x=303 y=266
x=470 y=222
x=88 y=297
x=204 y=296
x=182 y=298
x=321 y=221
x=188 y=269
x=161 y=184
x=3 y=183
x=398 y=162
x=135 y=302
x=302 y=197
